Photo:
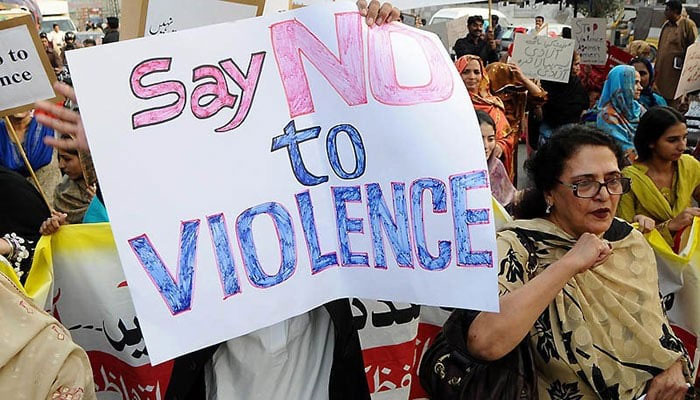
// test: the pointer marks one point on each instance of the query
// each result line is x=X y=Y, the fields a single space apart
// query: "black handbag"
x=448 y=372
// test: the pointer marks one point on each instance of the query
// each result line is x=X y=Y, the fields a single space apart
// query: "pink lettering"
x=345 y=74
x=248 y=83
x=382 y=69
x=156 y=115
x=217 y=89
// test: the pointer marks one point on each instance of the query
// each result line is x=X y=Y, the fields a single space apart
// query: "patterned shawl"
x=605 y=335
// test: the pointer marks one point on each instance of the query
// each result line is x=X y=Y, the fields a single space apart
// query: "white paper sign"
x=24 y=78
x=542 y=57
x=165 y=16
x=589 y=34
x=249 y=181
x=690 y=76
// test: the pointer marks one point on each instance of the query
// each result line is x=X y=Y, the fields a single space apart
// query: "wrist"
x=568 y=265
x=5 y=247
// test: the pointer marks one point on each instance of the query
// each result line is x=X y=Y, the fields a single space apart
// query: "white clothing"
x=289 y=360
x=56 y=38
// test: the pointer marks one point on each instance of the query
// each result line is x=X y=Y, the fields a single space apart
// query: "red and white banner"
x=92 y=300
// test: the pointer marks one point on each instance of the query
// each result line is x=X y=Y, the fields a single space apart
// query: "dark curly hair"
x=546 y=166
x=652 y=126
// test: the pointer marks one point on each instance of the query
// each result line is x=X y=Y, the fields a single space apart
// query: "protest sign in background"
x=589 y=34
x=542 y=57
x=690 y=76
x=25 y=71
x=317 y=159
x=156 y=17
x=91 y=299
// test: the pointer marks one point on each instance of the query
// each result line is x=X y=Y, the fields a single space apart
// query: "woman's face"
x=576 y=64
x=488 y=135
x=643 y=73
x=70 y=165
x=637 y=85
x=672 y=143
x=575 y=215
x=471 y=75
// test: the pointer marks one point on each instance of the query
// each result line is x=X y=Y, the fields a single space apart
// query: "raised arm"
x=493 y=335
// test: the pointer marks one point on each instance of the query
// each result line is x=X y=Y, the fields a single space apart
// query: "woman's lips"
x=601 y=213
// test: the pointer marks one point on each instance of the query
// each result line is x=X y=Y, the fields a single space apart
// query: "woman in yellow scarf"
x=581 y=283
x=664 y=180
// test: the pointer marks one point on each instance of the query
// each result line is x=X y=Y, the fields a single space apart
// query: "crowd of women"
x=578 y=282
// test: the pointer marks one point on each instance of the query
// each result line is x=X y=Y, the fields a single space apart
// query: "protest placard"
x=542 y=57
x=456 y=29
x=589 y=34
x=315 y=160
x=690 y=76
x=449 y=32
x=25 y=71
x=157 y=17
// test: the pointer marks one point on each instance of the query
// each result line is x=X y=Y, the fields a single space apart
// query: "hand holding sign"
x=25 y=77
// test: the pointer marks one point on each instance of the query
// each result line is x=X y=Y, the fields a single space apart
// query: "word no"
x=402 y=223
x=16 y=77
x=291 y=40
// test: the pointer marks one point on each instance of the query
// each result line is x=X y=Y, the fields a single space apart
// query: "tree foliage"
x=601 y=8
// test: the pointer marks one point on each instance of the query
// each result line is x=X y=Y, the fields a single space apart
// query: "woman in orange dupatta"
x=473 y=73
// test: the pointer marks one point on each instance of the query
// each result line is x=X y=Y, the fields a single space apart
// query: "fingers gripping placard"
x=25 y=72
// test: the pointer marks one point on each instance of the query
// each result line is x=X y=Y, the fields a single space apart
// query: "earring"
x=548 y=209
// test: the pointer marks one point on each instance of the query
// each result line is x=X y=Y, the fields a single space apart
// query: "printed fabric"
x=36 y=346
x=605 y=334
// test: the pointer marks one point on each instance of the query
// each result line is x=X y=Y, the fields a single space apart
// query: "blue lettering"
x=177 y=295
x=319 y=262
x=342 y=195
x=397 y=230
x=287 y=243
x=357 y=146
x=464 y=217
x=438 y=192
x=291 y=139
x=222 y=252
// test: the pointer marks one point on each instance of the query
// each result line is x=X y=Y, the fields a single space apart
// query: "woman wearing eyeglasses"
x=664 y=180
x=581 y=283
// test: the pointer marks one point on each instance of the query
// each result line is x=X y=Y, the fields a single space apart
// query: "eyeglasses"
x=590 y=189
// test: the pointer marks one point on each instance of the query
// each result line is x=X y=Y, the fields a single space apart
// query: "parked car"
x=450 y=13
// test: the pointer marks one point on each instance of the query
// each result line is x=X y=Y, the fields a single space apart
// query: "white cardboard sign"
x=589 y=34
x=25 y=73
x=690 y=76
x=249 y=181
x=542 y=57
x=165 y=16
